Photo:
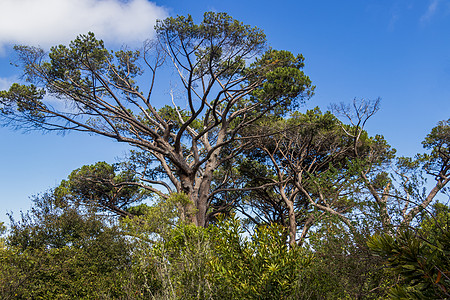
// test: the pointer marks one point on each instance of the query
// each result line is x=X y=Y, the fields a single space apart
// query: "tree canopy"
x=229 y=190
x=229 y=79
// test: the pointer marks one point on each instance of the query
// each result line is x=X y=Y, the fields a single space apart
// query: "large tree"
x=304 y=170
x=228 y=78
x=296 y=173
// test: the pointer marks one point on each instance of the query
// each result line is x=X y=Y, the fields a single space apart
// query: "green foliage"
x=437 y=219
x=421 y=258
x=2 y=231
x=216 y=29
x=439 y=139
x=22 y=98
x=228 y=76
x=437 y=162
x=169 y=256
x=303 y=162
x=63 y=273
x=55 y=253
x=155 y=222
x=173 y=115
x=416 y=173
x=283 y=78
x=231 y=148
x=262 y=267
x=182 y=258
x=99 y=186
x=219 y=262
x=343 y=267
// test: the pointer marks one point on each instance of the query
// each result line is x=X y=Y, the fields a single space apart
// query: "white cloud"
x=49 y=22
x=5 y=83
x=431 y=10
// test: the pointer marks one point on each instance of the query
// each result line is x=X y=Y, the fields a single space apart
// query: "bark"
x=292 y=224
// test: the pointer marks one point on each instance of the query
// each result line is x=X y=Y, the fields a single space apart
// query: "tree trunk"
x=292 y=223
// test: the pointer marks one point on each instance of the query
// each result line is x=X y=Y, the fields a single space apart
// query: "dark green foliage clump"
x=54 y=253
x=421 y=257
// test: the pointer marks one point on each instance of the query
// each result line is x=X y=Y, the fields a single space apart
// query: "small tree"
x=379 y=170
x=102 y=187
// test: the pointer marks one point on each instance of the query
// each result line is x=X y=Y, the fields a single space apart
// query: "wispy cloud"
x=5 y=83
x=49 y=22
x=431 y=11
x=392 y=21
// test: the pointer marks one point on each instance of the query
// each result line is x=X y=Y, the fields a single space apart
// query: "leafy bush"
x=421 y=258
x=257 y=267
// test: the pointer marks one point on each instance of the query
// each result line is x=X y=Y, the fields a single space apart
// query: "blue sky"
x=397 y=50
